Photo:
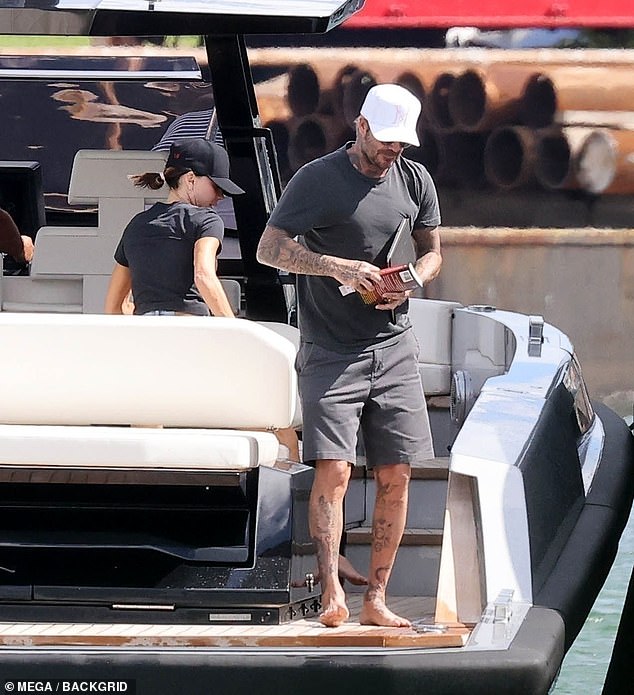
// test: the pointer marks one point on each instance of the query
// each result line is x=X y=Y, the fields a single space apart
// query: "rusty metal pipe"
x=480 y=100
x=271 y=98
x=428 y=153
x=411 y=81
x=452 y=158
x=538 y=104
x=556 y=151
x=303 y=89
x=462 y=158
x=354 y=88
x=345 y=96
x=437 y=104
x=593 y=88
x=509 y=156
x=597 y=160
x=312 y=137
x=337 y=87
x=605 y=162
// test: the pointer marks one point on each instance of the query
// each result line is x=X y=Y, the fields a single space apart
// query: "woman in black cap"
x=168 y=254
x=154 y=256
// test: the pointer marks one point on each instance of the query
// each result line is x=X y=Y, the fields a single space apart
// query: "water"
x=586 y=663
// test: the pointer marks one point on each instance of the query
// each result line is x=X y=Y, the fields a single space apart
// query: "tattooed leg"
x=390 y=512
x=326 y=527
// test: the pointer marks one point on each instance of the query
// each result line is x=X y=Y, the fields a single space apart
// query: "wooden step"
x=300 y=633
x=432 y=469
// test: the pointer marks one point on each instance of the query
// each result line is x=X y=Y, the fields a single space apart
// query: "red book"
x=398 y=278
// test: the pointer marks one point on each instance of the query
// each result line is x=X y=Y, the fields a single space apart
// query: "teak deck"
x=300 y=633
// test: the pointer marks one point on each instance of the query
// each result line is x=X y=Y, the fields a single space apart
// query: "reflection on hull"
x=49 y=120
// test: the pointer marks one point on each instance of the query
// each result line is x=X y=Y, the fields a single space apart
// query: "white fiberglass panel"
x=503 y=525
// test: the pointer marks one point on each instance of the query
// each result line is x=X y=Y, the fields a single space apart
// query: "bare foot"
x=335 y=611
x=347 y=571
x=377 y=613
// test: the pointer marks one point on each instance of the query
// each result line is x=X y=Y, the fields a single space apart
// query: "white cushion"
x=92 y=448
x=291 y=333
x=181 y=371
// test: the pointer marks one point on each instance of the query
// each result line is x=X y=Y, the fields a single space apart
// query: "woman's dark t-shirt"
x=158 y=248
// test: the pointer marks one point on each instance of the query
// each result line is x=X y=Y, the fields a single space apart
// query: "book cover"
x=395 y=279
x=401 y=251
x=398 y=249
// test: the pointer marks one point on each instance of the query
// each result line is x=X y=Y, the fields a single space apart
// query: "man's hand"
x=393 y=299
x=356 y=274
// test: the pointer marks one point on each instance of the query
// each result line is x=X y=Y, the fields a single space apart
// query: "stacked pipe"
x=554 y=119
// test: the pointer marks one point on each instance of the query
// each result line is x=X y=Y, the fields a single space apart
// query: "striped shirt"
x=195 y=124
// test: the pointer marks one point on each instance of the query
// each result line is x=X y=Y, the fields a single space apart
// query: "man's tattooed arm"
x=278 y=249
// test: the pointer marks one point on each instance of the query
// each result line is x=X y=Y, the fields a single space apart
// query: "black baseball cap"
x=204 y=158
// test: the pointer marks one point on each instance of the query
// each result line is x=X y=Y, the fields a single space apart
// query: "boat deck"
x=300 y=633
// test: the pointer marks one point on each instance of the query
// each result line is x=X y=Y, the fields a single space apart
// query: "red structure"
x=414 y=14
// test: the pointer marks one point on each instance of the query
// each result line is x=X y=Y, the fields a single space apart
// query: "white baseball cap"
x=392 y=113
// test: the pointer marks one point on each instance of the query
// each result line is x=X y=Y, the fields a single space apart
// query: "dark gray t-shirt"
x=158 y=248
x=340 y=212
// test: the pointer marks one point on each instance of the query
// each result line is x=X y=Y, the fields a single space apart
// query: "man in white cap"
x=357 y=363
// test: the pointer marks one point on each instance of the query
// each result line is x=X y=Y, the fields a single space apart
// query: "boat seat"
x=138 y=448
x=90 y=390
x=22 y=293
x=432 y=321
x=71 y=266
x=291 y=333
x=98 y=177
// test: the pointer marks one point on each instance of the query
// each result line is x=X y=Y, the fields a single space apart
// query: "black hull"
x=586 y=559
x=621 y=670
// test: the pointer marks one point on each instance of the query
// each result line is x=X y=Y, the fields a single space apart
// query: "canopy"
x=171 y=17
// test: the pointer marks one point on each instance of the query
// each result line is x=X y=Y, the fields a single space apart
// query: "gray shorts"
x=377 y=392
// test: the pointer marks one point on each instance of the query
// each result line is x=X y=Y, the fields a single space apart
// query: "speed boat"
x=154 y=534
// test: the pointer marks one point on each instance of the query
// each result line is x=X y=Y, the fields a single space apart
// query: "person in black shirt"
x=19 y=247
x=357 y=363
x=168 y=254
